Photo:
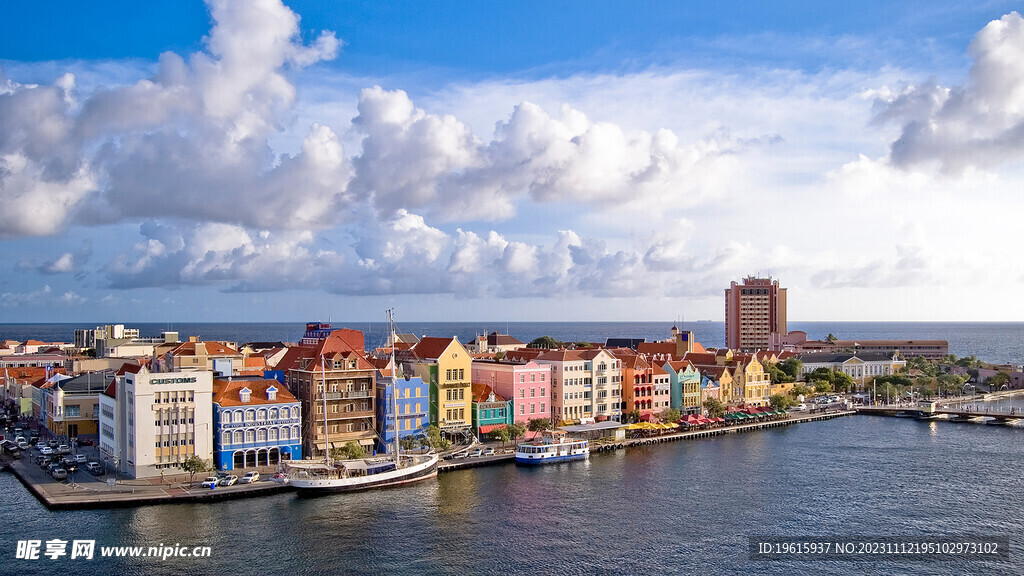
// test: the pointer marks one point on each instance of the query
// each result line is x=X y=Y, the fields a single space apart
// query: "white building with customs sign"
x=167 y=417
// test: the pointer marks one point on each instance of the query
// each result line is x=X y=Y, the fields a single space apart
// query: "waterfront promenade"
x=90 y=492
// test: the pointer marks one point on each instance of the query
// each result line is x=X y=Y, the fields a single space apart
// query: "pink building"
x=526 y=385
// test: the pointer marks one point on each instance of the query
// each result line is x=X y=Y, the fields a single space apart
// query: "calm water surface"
x=675 y=508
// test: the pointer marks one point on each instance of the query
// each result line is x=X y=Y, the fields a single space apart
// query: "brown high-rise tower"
x=753 y=310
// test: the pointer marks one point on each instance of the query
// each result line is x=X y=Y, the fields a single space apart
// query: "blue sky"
x=507 y=161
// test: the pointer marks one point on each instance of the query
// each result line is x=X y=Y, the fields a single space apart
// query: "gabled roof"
x=432 y=347
x=679 y=365
x=524 y=354
x=226 y=392
x=495 y=339
x=713 y=371
x=482 y=391
x=704 y=359
x=211 y=348
x=561 y=355
x=342 y=340
x=658 y=370
x=657 y=348
x=111 y=390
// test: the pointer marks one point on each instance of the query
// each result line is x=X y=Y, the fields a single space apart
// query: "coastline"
x=61 y=496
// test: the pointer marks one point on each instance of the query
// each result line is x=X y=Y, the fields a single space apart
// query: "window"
x=533 y=408
x=261 y=435
x=542 y=377
x=407 y=392
x=533 y=377
x=543 y=392
x=418 y=408
x=533 y=392
x=522 y=378
x=522 y=408
x=72 y=411
x=364 y=406
x=522 y=392
x=419 y=393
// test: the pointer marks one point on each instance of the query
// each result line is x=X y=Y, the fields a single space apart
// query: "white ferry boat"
x=552 y=448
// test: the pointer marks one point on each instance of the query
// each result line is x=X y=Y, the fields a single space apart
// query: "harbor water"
x=671 y=508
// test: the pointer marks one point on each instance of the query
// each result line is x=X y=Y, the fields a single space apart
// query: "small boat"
x=553 y=447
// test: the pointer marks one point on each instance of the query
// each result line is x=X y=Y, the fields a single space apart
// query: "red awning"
x=488 y=428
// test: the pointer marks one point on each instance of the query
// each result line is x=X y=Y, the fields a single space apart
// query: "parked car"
x=59 y=474
x=476 y=453
x=85 y=442
x=53 y=466
x=64 y=449
x=40 y=445
x=489 y=452
x=94 y=468
x=800 y=406
x=249 y=477
x=279 y=478
x=53 y=444
x=210 y=482
x=81 y=459
x=458 y=455
x=22 y=444
x=229 y=481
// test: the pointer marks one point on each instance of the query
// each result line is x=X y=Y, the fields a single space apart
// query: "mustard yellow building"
x=447 y=366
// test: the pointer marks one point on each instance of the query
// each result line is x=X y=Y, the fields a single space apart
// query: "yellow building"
x=447 y=366
x=752 y=383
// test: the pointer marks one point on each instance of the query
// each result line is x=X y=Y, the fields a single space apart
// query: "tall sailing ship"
x=365 y=473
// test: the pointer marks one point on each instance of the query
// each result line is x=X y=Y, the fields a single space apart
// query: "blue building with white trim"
x=257 y=422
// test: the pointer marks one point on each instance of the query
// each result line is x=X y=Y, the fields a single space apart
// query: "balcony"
x=345 y=395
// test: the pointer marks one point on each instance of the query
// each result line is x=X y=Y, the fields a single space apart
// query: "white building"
x=157 y=420
x=861 y=366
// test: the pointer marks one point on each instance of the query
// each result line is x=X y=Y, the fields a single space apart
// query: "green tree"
x=409 y=443
x=792 y=367
x=538 y=424
x=831 y=337
x=670 y=415
x=714 y=407
x=633 y=417
x=194 y=465
x=581 y=345
x=546 y=342
x=949 y=384
x=779 y=402
x=822 y=373
x=436 y=441
x=995 y=381
x=352 y=450
x=777 y=374
x=517 y=430
x=822 y=386
x=843 y=382
x=503 y=434
x=801 y=390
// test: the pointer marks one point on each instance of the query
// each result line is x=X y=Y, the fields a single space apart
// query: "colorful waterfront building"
x=662 y=389
x=411 y=399
x=447 y=367
x=72 y=404
x=256 y=422
x=490 y=410
x=604 y=370
x=709 y=389
x=751 y=384
x=638 y=384
x=524 y=384
x=721 y=377
x=571 y=386
x=685 y=382
x=334 y=382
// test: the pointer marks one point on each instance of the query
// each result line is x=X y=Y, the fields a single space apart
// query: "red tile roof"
x=482 y=391
x=560 y=356
x=431 y=347
x=226 y=392
x=703 y=359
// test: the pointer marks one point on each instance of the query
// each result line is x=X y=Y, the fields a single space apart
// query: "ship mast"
x=394 y=384
x=323 y=384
